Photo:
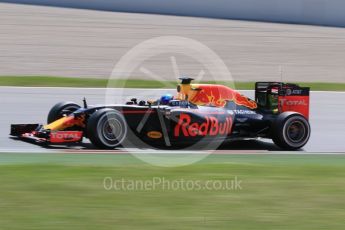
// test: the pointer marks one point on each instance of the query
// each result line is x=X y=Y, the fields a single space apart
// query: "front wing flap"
x=19 y=129
x=37 y=134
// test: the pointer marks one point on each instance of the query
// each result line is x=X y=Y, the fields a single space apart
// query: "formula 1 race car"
x=199 y=113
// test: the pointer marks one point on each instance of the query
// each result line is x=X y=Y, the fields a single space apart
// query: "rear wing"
x=282 y=97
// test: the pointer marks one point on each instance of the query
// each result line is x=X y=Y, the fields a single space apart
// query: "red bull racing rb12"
x=198 y=114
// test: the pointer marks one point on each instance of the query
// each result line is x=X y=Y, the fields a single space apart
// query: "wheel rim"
x=296 y=132
x=112 y=130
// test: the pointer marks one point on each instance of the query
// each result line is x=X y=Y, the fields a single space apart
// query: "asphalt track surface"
x=31 y=105
x=36 y=40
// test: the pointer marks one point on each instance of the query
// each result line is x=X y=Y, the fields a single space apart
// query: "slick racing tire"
x=291 y=131
x=107 y=128
x=61 y=109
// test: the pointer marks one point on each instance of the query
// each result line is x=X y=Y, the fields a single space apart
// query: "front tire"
x=291 y=131
x=107 y=128
x=61 y=109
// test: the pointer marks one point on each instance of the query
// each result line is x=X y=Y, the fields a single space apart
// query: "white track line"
x=167 y=152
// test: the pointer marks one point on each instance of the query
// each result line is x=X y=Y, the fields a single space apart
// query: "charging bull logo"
x=211 y=127
x=218 y=95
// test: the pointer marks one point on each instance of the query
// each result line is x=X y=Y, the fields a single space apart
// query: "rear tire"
x=61 y=109
x=107 y=128
x=291 y=131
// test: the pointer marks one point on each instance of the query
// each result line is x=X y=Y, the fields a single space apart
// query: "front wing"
x=36 y=133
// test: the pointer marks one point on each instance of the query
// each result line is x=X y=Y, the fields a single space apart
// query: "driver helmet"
x=165 y=99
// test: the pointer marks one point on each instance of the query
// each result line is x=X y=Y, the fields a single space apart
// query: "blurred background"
x=318 y=12
x=53 y=41
x=259 y=40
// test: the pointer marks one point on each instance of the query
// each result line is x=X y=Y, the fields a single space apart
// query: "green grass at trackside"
x=131 y=83
x=65 y=191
